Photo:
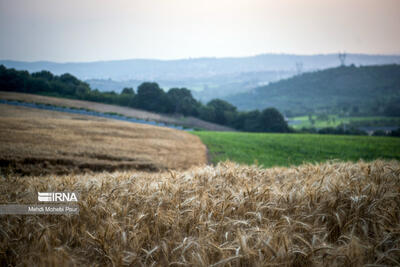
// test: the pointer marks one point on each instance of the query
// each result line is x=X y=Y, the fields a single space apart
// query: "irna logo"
x=57 y=197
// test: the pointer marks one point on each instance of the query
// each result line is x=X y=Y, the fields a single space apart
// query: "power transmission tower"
x=342 y=58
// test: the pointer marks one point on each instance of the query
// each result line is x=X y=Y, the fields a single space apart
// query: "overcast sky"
x=91 y=30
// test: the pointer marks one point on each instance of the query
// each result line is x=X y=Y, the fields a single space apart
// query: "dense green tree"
x=13 y=80
x=36 y=85
x=247 y=121
x=69 y=79
x=393 y=108
x=252 y=121
x=44 y=74
x=128 y=91
x=207 y=113
x=224 y=111
x=127 y=97
x=183 y=101
x=395 y=133
x=82 y=90
x=151 y=97
x=271 y=120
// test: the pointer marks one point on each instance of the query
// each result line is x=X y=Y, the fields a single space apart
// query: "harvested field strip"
x=331 y=214
x=88 y=113
x=189 y=122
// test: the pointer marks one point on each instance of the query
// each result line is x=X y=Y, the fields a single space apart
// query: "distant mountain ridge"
x=183 y=69
x=207 y=78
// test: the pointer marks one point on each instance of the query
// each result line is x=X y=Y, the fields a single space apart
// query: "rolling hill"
x=359 y=90
x=208 y=77
x=189 y=121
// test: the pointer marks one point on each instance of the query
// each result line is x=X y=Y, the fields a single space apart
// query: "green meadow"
x=269 y=149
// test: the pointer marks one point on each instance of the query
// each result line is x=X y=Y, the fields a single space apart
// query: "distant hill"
x=182 y=69
x=208 y=78
x=203 y=89
x=358 y=90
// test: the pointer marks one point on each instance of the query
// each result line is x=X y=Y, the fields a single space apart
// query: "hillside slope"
x=360 y=89
x=190 y=122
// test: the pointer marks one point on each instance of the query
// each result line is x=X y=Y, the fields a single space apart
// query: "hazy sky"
x=89 y=30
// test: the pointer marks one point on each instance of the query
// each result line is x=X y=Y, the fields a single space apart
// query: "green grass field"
x=335 y=121
x=293 y=149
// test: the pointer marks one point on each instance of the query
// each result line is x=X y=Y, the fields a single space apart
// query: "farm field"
x=34 y=141
x=333 y=214
x=334 y=121
x=271 y=150
x=105 y=108
x=146 y=197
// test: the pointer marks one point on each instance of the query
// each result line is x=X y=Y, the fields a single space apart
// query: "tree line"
x=149 y=96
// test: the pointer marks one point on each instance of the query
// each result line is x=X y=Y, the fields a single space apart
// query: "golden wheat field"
x=332 y=214
x=34 y=141
x=146 y=198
